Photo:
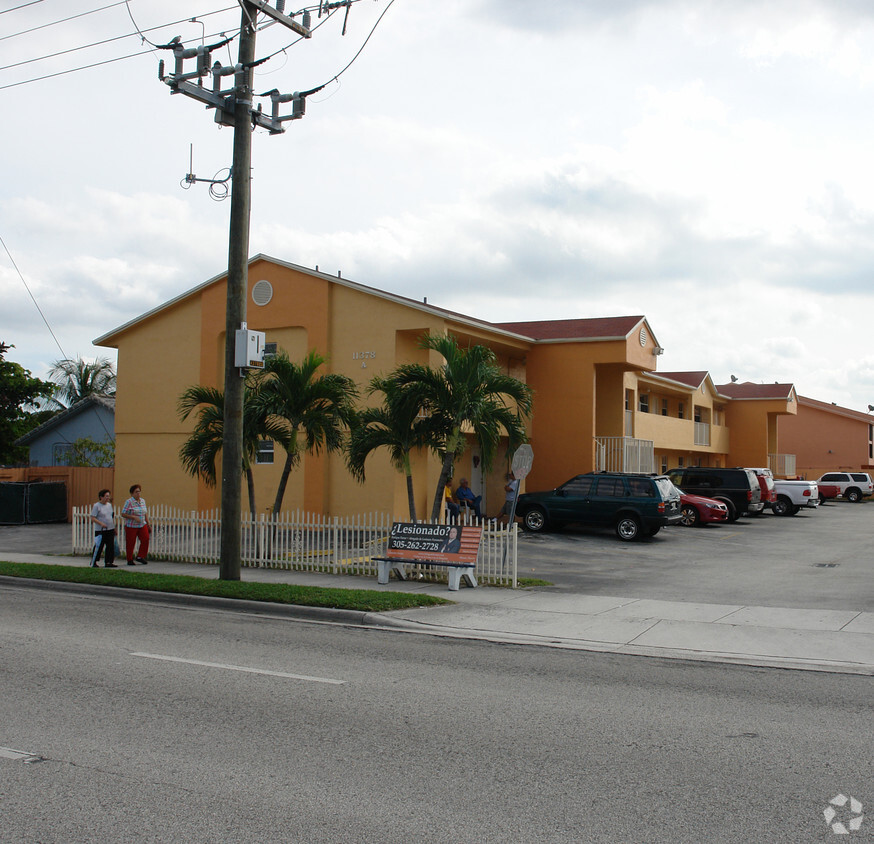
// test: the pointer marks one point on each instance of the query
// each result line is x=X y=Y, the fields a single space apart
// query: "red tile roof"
x=574 y=329
x=749 y=390
x=691 y=379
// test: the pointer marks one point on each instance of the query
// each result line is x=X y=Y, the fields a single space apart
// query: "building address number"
x=363 y=357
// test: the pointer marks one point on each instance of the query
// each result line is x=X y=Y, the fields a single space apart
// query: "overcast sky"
x=707 y=164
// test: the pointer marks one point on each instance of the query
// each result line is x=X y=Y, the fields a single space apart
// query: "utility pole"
x=238 y=276
x=234 y=107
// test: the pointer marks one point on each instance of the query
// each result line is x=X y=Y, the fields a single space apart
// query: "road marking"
x=242 y=668
x=9 y=753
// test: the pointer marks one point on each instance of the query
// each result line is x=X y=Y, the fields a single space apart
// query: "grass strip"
x=363 y=600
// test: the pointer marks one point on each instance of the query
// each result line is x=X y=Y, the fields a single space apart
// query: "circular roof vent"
x=642 y=334
x=262 y=292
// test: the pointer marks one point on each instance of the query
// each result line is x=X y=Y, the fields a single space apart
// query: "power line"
x=116 y=38
x=62 y=20
x=32 y=296
x=22 y=6
x=336 y=76
x=74 y=70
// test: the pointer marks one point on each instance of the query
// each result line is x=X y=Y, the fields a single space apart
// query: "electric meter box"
x=249 y=349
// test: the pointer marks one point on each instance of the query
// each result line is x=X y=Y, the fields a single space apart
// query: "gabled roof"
x=108 y=338
x=65 y=415
x=599 y=328
x=831 y=407
x=596 y=328
x=749 y=390
x=690 y=379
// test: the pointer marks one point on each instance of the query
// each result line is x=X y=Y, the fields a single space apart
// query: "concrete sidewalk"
x=822 y=640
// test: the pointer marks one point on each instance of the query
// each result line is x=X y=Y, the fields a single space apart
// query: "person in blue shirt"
x=465 y=497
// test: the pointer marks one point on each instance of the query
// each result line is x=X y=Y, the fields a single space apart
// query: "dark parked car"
x=737 y=488
x=633 y=505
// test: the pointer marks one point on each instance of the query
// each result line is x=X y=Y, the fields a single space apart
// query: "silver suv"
x=854 y=486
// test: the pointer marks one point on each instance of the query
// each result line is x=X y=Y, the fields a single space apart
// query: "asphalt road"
x=144 y=728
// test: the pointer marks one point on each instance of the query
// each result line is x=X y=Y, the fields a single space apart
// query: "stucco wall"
x=824 y=441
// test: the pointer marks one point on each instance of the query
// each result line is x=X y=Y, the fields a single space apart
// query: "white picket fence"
x=296 y=541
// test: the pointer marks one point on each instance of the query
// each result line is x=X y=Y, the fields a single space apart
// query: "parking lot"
x=765 y=560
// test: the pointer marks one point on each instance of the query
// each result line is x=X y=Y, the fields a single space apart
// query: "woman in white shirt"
x=103 y=520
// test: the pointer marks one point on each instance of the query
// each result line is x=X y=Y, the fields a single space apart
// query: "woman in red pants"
x=136 y=526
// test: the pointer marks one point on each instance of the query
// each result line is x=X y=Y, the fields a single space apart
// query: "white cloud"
x=706 y=164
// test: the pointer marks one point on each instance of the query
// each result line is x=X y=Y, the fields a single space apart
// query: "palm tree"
x=469 y=391
x=78 y=379
x=312 y=411
x=201 y=449
x=396 y=425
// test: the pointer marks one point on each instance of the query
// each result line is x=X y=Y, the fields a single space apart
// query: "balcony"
x=702 y=433
x=782 y=465
x=624 y=454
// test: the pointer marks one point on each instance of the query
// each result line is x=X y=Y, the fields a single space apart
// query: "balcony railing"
x=782 y=465
x=702 y=433
x=624 y=454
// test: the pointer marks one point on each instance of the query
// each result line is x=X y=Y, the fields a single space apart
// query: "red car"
x=697 y=510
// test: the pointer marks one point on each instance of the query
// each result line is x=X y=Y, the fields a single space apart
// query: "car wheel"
x=654 y=530
x=733 y=514
x=782 y=506
x=628 y=528
x=689 y=516
x=535 y=520
x=822 y=500
x=853 y=495
x=795 y=510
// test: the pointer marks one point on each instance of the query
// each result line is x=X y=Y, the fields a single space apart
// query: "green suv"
x=633 y=505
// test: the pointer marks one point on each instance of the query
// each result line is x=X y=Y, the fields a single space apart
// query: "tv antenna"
x=218 y=188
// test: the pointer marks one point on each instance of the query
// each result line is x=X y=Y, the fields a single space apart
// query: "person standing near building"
x=136 y=526
x=103 y=519
x=511 y=489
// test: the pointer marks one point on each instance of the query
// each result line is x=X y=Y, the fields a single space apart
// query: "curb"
x=324 y=614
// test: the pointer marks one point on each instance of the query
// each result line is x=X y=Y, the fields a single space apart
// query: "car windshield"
x=667 y=488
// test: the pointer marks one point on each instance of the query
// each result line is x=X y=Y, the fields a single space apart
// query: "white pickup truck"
x=793 y=495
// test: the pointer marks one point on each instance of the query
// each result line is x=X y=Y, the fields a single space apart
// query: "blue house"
x=51 y=444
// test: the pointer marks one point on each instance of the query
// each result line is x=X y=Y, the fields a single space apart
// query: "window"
x=664 y=407
x=265 y=452
x=664 y=463
x=62 y=454
x=641 y=487
x=270 y=352
x=644 y=403
x=680 y=462
x=680 y=413
x=611 y=487
x=578 y=486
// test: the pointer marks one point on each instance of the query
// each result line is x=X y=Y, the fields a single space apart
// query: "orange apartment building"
x=599 y=402
x=826 y=437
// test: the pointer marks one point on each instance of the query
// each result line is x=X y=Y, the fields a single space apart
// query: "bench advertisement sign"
x=452 y=543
